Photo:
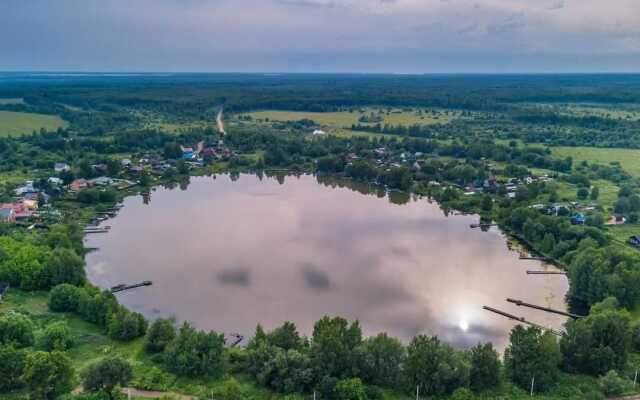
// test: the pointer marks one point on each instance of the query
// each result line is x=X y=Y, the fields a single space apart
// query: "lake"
x=226 y=254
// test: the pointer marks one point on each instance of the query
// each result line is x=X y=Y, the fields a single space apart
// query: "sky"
x=377 y=36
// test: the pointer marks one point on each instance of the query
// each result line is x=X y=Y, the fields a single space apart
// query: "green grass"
x=344 y=119
x=629 y=159
x=19 y=123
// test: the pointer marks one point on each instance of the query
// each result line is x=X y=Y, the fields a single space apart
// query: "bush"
x=16 y=329
x=106 y=374
x=126 y=325
x=64 y=298
x=612 y=384
x=485 y=367
x=11 y=368
x=57 y=336
x=196 y=353
x=350 y=389
x=462 y=394
x=160 y=334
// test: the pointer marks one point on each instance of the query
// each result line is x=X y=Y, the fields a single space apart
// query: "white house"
x=319 y=132
x=60 y=167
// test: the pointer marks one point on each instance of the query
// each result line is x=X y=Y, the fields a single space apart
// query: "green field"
x=629 y=159
x=344 y=119
x=19 y=123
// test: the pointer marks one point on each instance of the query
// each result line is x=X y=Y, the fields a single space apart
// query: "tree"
x=599 y=342
x=333 y=346
x=595 y=193
x=380 y=359
x=583 y=193
x=16 y=329
x=196 y=353
x=435 y=367
x=350 y=389
x=125 y=325
x=64 y=298
x=485 y=367
x=612 y=384
x=159 y=335
x=532 y=354
x=285 y=337
x=106 y=374
x=65 y=266
x=48 y=375
x=11 y=367
x=57 y=336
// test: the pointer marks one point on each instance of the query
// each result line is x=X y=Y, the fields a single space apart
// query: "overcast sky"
x=402 y=36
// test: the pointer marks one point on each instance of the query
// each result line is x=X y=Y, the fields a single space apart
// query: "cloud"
x=314 y=277
x=319 y=35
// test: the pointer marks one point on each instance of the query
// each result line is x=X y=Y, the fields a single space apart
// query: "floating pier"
x=530 y=272
x=122 y=287
x=523 y=320
x=534 y=258
x=487 y=225
x=547 y=309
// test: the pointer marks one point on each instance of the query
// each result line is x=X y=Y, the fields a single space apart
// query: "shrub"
x=64 y=298
x=16 y=329
x=612 y=384
x=57 y=336
x=160 y=334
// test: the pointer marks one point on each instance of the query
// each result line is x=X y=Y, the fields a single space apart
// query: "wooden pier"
x=523 y=320
x=534 y=258
x=530 y=272
x=487 y=225
x=122 y=287
x=237 y=338
x=541 y=308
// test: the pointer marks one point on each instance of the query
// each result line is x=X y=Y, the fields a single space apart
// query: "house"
x=26 y=188
x=125 y=162
x=55 y=181
x=61 y=167
x=78 y=185
x=578 y=219
x=319 y=132
x=7 y=214
x=634 y=240
x=20 y=210
x=187 y=152
x=101 y=181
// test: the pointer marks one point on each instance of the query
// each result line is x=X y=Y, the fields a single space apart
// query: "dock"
x=488 y=225
x=523 y=320
x=521 y=303
x=530 y=272
x=534 y=258
x=237 y=338
x=122 y=287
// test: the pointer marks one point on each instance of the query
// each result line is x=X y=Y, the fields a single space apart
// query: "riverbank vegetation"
x=490 y=151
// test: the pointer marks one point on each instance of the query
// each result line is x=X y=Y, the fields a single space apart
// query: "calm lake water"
x=228 y=254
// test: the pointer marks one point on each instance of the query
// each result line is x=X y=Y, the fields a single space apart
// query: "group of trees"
x=337 y=360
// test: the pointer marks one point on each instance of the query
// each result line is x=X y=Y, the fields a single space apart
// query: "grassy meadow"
x=19 y=123
x=337 y=122
x=629 y=159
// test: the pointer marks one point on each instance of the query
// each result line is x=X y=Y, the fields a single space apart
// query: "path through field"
x=220 y=122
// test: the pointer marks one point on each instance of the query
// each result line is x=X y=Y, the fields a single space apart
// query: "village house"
x=26 y=188
x=55 y=181
x=101 y=181
x=78 y=185
x=319 y=132
x=21 y=209
x=187 y=152
x=61 y=167
x=7 y=214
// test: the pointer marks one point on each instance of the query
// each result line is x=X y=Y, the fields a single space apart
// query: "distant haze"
x=401 y=36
